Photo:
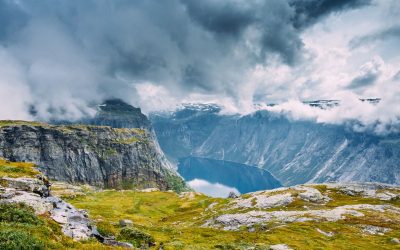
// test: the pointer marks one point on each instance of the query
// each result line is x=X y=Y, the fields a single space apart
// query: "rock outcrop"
x=35 y=193
x=310 y=203
x=100 y=156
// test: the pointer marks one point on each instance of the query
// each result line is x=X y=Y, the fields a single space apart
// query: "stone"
x=149 y=190
x=280 y=247
x=31 y=199
x=27 y=184
x=112 y=242
x=125 y=223
x=374 y=230
x=395 y=240
x=248 y=219
x=311 y=194
x=328 y=234
x=75 y=221
x=232 y=195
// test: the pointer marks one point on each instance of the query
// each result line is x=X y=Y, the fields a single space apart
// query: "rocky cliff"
x=118 y=114
x=100 y=156
x=294 y=152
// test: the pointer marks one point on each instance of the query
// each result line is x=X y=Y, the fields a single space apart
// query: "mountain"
x=118 y=114
x=294 y=152
x=181 y=132
x=96 y=155
x=245 y=178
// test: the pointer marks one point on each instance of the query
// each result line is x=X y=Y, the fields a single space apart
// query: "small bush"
x=11 y=240
x=176 y=183
x=136 y=237
x=18 y=213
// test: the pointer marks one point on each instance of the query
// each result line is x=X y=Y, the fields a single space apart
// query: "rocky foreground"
x=323 y=216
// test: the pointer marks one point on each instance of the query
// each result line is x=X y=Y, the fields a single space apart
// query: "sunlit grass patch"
x=17 y=169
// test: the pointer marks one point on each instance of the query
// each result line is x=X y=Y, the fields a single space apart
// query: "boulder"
x=395 y=240
x=280 y=247
x=75 y=221
x=125 y=223
x=232 y=195
x=37 y=186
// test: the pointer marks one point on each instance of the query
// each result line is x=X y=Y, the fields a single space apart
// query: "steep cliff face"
x=183 y=131
x=101 y=156
x=293 y=151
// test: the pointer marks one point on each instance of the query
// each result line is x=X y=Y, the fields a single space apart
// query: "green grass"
x=17 y=169
x=176 y=223
x=21 y=229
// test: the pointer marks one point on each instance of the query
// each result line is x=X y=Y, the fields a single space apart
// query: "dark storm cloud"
x=224 y=17
x=368 y=75
x=363 y=80
x=70 y=52
x=310 y=11
x=278 y=21
x=389 y=33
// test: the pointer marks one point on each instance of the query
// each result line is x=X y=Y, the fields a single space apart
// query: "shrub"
x=18 y=213
x=11 y=240
x=136 y=237
x=176 y=183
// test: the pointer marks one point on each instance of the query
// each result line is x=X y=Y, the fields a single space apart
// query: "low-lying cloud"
x=58 y=59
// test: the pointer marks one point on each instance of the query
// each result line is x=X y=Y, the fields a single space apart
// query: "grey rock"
x=395 y=240
x=280 y=247
x=112 y=242
x=75 y=221
x=99 y=156
x=374 y=230
x=125 y=223
x=232 y=195
x=33 y=200
x=27 y=184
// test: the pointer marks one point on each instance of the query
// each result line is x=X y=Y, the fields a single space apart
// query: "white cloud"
x=211 y=189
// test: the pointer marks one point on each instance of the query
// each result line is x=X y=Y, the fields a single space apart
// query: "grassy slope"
x=17 y=169
x=177 y=223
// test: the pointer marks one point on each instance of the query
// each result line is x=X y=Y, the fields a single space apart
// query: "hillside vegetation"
x=193 y=221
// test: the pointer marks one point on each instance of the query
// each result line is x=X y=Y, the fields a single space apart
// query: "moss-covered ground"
x=17 y=169
x=176 y=222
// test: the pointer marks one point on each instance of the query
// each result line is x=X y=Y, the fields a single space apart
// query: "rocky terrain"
x=295 y=152
x=24 y=189
x=323 y=216
x=97 y=155
x=312 y=216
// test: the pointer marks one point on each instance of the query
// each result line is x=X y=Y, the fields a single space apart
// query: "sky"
x=59 y=57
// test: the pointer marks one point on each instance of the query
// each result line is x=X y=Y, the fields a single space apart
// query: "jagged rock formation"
x=118 y=114
x=294 y=152
x=100 y=156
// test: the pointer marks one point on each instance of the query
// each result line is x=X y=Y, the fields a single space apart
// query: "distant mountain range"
x=293 y=151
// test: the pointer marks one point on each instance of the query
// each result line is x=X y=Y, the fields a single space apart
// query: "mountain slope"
x=293 y=151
